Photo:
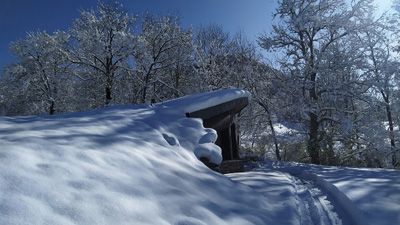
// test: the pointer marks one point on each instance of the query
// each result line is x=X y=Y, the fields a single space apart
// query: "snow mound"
x=207 y=149
x=121 y=165
x=210 y=137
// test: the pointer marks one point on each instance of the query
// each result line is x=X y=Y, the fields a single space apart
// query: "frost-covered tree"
x=13 y=95
x=343 y=93
x=384 y=74
x=213 y=58
x=259 y=79
x=162 y=46
x=41 y=67
x=102 y=42
x=305 y=32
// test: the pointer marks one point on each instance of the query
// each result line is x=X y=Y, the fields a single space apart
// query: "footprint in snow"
x=170 y=139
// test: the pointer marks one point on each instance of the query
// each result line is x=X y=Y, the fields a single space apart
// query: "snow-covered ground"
x=138 y=165
x=311 y=205
x=371 y=196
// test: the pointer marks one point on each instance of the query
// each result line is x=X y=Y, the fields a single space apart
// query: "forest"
x=331 y=95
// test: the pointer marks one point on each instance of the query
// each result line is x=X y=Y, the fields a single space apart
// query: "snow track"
x=326 y=191
x=314 y=207
x=311 y=205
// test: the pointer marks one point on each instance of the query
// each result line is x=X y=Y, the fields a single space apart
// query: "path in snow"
x=312 y=205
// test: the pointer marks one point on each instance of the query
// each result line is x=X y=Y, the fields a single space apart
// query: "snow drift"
x=121 y=165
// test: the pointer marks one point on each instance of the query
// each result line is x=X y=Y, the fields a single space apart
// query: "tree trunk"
x=146 y=83
x=313 y=142
x=177 y=80
x=391 y=129
x=143 y=100
x=108 y=95
x=109 y=82
x=266 y=108
x=278 y=156
x=51 y=108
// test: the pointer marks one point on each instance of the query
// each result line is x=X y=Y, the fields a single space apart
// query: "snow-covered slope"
x=122 y=165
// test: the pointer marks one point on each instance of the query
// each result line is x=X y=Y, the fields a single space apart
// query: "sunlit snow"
x=138 y=165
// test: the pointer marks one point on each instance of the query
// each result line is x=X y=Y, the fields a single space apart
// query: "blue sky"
x=17 y=17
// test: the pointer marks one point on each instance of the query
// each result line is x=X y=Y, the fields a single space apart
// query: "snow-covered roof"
x=196 y=102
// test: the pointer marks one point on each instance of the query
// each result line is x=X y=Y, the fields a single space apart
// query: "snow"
x=121 y=165
x=365 y=195
x=277 y=189
x=193 y=103
x=139 y=165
